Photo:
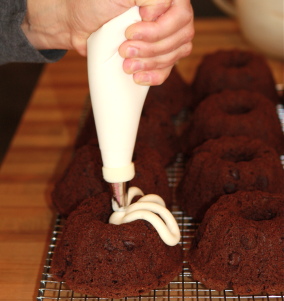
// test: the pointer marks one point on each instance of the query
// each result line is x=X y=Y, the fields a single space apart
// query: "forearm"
x=44 y=24
x=14 y=46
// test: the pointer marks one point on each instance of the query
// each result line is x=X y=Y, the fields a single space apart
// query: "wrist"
x=44 y=25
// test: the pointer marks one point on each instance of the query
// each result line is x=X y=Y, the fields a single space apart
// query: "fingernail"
x=137 y=66
x=144 y=79
x=131 y=52
x=136 y=36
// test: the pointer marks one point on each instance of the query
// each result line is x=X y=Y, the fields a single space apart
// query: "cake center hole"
x=238 y=156
x=237 y=108
x=238 y=60
x=260 y=214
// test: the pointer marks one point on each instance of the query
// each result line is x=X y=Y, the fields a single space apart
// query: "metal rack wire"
x=182 y=288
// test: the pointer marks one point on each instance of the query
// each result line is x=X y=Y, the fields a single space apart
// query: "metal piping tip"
x=120 y=193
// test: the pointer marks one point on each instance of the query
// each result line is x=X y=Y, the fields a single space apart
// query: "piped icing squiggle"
x=147 y=208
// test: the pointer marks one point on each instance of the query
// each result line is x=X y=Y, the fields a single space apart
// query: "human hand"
x=67 y=24
x=152 y=48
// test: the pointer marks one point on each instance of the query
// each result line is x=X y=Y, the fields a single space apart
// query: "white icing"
x=147 y=208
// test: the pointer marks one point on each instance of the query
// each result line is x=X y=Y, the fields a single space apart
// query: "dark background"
x=17 y=82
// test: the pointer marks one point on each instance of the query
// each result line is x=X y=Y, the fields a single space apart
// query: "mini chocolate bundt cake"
x=233 y=69
x=240 y=244
x=224 y=166
x=112 y=261
x=158 y=132
x=164 y=101
x=234 y=113
x=83 y=177
x=173 y=93
x=150 y=174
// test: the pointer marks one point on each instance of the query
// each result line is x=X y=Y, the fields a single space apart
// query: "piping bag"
x=117 y=102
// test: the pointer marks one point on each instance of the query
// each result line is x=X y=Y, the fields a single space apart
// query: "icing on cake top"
x=151 y=208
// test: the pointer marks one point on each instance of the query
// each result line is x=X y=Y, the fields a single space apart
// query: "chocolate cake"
x=166 y=100
x=173 y=93
x=240 y=244
x=150 y=175
x=83 y=177
x=234 y=113
x=112 y=261
x=233 y=69
x=224 y=166
x=158 y=132
x=156 y=129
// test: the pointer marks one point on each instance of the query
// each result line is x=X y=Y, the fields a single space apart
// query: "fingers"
x=179 y=15
x=150 y=10
x=140 y=49
x=153 y=77
x=153 y=48
x=133 y=65
x=154 y=71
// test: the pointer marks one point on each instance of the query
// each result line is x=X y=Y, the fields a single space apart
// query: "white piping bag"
x=117 y=101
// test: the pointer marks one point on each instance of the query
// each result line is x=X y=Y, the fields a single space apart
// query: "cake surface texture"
x=112 y=261
x=224 y=166
x=158 y=132
x=240 y=245
x=234 y=113
x=233 y=69
x=173 y=93
x=83 y=177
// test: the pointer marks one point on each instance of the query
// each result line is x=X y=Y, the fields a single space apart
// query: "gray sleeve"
x=14 y=46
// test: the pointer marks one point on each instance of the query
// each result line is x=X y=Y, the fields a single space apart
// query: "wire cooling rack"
x=182 y=288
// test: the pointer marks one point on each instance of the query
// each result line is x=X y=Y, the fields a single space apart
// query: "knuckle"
x=186 y=50
x=188 y=33
x=79 y=45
